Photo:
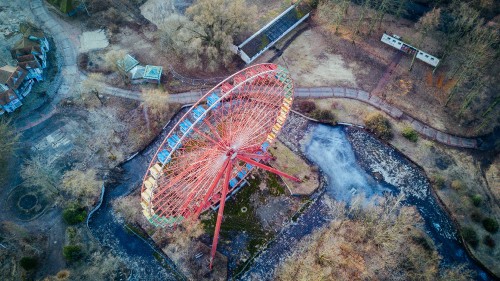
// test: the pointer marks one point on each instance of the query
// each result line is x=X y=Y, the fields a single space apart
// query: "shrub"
x=489 y=241
x=491 y=225
x=476 y=200
x=306 y=106
x=74 y=214
x=325 y=116
x=470 y=236
x=379 y=125
x=72 y=252
x=476 y=216
x=28 y=263
x=458 y=185
x=438 y=181
x=410 y=133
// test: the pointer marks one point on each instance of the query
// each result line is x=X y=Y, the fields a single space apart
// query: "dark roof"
x=7 y=96
x=16 y=52
x=29 y=64
x=26 y=58
x=12 y=76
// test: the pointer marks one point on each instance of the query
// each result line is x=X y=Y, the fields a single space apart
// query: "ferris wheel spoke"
x=267 y=168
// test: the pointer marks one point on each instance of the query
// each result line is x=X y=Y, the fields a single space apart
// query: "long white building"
x=402 y=46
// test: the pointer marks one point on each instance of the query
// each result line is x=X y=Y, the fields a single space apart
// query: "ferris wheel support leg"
x=212 y=187
x=267 y=168
x=220 y=215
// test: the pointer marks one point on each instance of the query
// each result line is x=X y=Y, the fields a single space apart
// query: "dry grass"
x=292 y=164
x=380 y=241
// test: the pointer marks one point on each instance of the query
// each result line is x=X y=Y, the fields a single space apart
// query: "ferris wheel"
x=215 y=145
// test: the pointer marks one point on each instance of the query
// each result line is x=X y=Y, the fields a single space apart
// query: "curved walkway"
x=360 y=95
x=66 y=50
x=332 y=92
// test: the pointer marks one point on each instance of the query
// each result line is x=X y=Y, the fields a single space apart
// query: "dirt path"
x=387 y=74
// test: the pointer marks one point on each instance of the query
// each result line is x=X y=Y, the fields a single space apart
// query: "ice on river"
x=329 y=148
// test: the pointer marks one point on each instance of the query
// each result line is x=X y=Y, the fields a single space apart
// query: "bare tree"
x=207 y=31
x=426 y=23
x=114 y=61
x=82 y=185
x=156 y=101
x=37 y=171
x=93 y=85
x=366 y=241
x=106 y=132
x=334 y=11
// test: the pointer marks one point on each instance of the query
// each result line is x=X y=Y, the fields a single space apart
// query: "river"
x=347 y=158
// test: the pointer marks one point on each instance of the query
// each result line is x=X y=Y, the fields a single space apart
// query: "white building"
x=395 y=42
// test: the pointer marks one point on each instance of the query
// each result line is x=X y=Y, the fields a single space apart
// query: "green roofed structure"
x=127 y=63
x=153 y=72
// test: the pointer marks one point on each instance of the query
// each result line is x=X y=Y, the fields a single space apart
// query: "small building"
x=8 y=100
x=127 y=63
x=152 y=73
x=26 y=46
x=14 y=78
x=136 y=74
x=396 y=42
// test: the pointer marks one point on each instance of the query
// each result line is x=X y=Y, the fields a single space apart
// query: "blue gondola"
x=249 y=166
x=242 y=174
x=173 y=140
x=213 y=99
x=198 y=111
x=233 y=182
x=164 y=156
x=185 y=126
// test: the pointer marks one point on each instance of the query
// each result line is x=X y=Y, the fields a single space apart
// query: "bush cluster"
x=72 y=252
x=28 y=263
x=410 y=134
x=379 y=125
x=470 y=236
x=489 y=241
x=306 y=106
x=74 y=214
x=476 y=200
x=325 y=116
x=491 y=225
x=438 y=181
x=458 y=185
x=476 y=216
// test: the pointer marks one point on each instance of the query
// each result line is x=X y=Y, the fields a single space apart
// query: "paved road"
x=70 y=77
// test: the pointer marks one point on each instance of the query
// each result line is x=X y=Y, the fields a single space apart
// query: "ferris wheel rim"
x=200 y=101
x=210 y=108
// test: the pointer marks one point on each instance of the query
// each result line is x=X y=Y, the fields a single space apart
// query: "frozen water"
x=329 y=148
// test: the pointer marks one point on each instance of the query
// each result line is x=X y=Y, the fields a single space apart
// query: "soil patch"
x=93 y=40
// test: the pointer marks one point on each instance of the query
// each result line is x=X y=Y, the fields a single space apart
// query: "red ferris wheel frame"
x=215 y=145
